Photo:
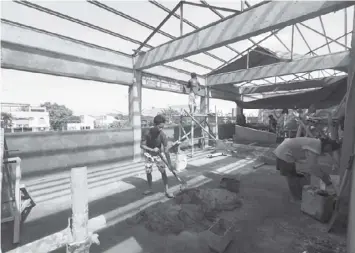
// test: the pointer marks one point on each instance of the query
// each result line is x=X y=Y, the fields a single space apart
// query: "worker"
x=155 y=142
x=272 y=124
x=304 y=150
x=193 y=86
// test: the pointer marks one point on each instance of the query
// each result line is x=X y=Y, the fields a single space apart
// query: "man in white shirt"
x=304 y=150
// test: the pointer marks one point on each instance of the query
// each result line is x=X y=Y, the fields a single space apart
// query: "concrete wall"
x=249 y=135
x=52 y=152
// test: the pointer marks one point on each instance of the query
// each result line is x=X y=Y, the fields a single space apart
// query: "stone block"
x=230 y=183
x=219 y=235
x=317 y=203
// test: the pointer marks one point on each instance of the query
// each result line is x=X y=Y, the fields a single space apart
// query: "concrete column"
x=135 y=109
x=239 y=110
x=349 y=145
x=205 y=108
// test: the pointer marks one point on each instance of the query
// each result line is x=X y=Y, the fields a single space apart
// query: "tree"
x=169 y=113
x=6 y=118
x=59 y=115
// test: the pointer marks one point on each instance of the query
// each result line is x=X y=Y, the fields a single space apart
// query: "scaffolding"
x=207 y=132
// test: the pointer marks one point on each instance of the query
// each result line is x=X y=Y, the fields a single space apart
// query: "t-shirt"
x=293 y=150
x=153 y=139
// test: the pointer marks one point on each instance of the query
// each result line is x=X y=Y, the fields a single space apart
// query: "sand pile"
x=210 y=200
x=194 y=210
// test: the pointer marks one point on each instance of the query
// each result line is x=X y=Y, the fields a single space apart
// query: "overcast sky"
x=86 y=97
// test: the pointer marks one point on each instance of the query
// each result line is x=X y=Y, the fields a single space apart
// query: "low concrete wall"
x=51 y=152
x=249 y=135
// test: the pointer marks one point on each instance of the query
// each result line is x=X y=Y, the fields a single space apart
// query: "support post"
x=292 y=40
x=204 y=108
x=135 y=109
x=192 y=137
x=348 y=146
x=216 y=120
x=81 y=241
x=1 y=165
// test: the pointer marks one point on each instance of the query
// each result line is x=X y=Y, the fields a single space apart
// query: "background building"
x=26 y=117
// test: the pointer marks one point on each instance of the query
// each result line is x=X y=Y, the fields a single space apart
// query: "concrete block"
x=230 y=183
x=219 y=235
x=316 y=203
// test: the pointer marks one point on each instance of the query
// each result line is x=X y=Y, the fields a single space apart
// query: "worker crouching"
x=306 y=151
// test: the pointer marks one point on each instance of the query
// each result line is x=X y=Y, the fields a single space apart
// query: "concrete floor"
x=268 y=222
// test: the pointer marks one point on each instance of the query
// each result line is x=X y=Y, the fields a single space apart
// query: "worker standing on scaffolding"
x=193 y=86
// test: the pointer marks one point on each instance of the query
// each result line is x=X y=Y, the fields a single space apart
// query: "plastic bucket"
x=180 y=162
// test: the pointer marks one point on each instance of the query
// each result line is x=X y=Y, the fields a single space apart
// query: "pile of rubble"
x=193 y=210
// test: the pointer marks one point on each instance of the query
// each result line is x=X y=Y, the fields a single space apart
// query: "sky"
x=89 y=97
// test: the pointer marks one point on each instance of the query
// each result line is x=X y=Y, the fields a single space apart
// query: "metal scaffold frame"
x=207 y=131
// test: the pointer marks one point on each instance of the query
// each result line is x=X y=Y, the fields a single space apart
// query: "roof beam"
x=30 y=49
x=330 y=61
x=265 y=18
x=289 y=86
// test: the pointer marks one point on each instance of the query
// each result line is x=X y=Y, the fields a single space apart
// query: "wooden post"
x=81 y=241
x=192 y=137
x=215 y=109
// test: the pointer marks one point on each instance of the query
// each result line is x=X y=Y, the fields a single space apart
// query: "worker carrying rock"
x=193 y=86
x=304 y=150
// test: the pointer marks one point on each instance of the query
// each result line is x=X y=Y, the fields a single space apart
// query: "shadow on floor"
x=50 y=224
x=267 y=222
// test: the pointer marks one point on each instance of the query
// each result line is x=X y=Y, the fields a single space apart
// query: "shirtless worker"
x=154 y=141
x=193 y=85
x=304 y=150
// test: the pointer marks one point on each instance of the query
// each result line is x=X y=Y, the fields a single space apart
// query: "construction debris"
x=194 y=210
x=230 y=183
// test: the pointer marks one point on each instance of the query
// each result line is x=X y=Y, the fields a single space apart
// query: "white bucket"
x=180 y=162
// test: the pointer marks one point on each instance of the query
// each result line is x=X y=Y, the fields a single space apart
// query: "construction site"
x=282 y=184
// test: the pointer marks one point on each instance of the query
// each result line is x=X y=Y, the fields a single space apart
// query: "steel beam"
x=268 y=17
x=225 y=95
x=289 y=86
x=330 y=61
x=30 y=59
x=29 y=49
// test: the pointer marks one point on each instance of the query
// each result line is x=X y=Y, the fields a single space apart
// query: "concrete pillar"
x=348 y=147
x=204 y=109
x=135 y=109
x=239 y=110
